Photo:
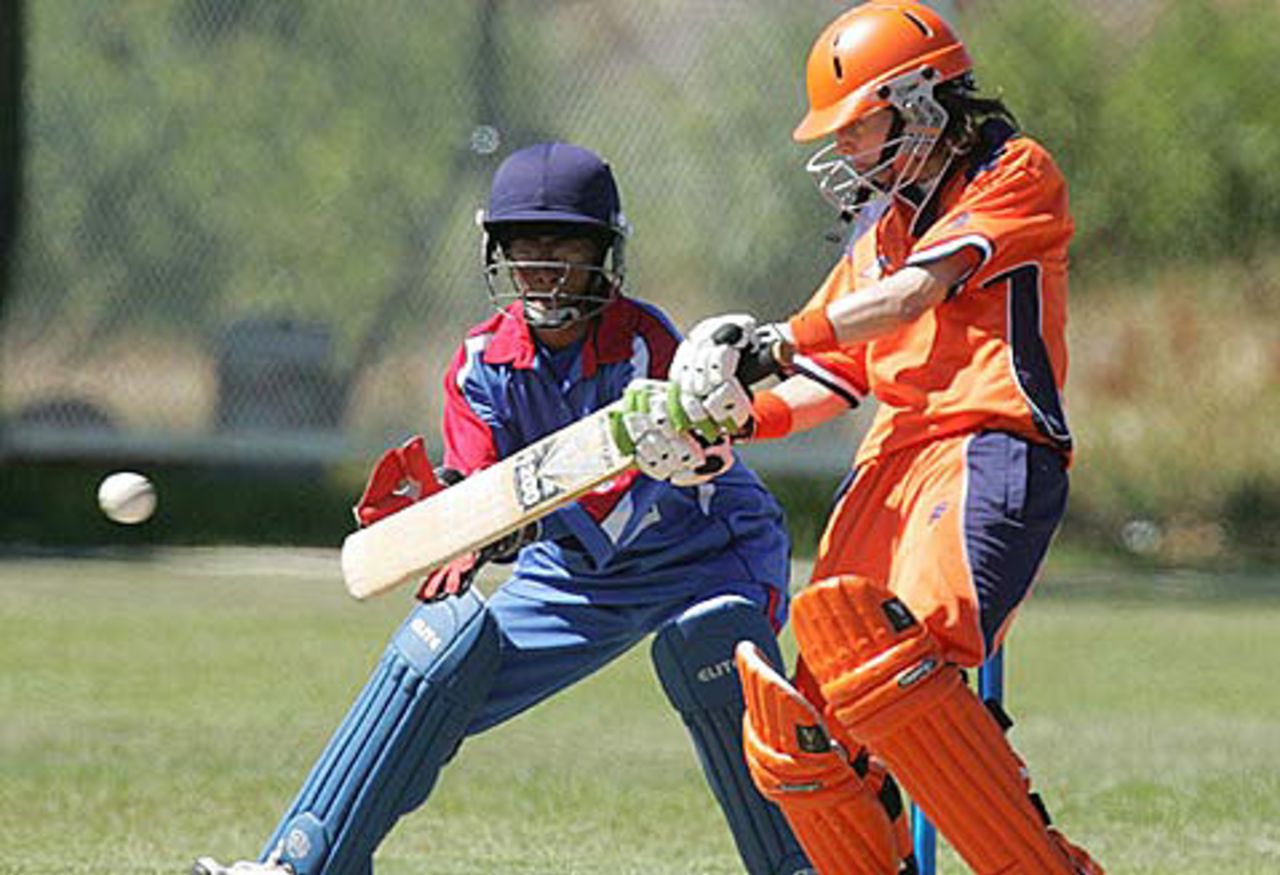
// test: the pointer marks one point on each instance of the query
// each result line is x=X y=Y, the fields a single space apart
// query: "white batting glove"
x=711 y=365
x=704 y=369
x=719 y=458
x=645 y=429
x=702 y=362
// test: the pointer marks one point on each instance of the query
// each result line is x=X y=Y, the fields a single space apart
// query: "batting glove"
x=654 y=428
x=718 y=459
x=714 y=366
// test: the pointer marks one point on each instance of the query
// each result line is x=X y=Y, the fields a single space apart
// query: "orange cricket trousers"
x=956 y=528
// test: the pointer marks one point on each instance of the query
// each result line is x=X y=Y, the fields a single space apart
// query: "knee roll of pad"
x=885 y=681
x=693 y=656
x=385 y=756
x=866 y=650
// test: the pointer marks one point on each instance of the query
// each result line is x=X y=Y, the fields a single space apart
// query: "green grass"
x=154 y=710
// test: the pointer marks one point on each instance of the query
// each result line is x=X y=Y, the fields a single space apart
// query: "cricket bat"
x=493 y=502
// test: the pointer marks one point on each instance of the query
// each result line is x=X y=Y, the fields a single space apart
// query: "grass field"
x=158 y=708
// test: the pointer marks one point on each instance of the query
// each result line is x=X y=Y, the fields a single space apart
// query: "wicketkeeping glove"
x=402 y=476
x=451 y=578
x=455 y=577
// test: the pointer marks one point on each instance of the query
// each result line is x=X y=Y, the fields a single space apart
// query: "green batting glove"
x=704 y=427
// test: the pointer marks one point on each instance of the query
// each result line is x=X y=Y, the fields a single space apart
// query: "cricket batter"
x=948 y=306
x=701 y=563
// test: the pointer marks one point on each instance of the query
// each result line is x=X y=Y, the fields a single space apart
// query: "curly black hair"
x=967 y=110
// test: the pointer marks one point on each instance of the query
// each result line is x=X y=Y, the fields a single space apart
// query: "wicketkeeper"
x=948 y=306
x=701 y=563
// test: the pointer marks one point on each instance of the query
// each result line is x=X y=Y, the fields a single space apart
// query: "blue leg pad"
x=385 y=756
x=694 y=659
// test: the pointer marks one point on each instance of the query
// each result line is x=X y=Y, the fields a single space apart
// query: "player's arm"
x=404 y=475
x=795 y=404
x=724 y=355
x=474 y=434
x=897 y=300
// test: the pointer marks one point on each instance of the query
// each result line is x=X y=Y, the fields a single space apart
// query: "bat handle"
x=756 y=364
x=756 y=361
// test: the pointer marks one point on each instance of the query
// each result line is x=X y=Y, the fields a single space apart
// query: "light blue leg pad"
x=385 y=756
x=694 y=659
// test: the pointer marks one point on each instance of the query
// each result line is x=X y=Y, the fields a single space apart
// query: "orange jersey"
x=993 y=355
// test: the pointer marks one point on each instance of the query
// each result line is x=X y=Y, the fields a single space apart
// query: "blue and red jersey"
x=634 y=539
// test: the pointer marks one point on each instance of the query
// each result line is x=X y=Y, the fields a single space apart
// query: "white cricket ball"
x=127 y=497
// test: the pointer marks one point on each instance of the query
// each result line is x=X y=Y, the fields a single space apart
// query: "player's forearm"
x=898 y=299
x=796 y=404
x=895 y=301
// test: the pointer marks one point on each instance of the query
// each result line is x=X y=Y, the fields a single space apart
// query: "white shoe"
x=210 y=866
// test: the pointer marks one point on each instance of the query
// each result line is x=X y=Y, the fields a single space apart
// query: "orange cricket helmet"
x=890 y=54
x=864 y=50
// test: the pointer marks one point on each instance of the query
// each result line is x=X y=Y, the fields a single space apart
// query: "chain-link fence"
x=248 y=229
x=249 y=225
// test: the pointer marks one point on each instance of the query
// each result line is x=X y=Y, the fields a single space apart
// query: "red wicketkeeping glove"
x=454 y=577
x=401 y=477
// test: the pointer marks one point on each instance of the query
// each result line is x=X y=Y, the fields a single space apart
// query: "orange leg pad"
x=836 y=814
x=885 y=681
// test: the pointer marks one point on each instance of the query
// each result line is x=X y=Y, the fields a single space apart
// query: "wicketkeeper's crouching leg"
x=387 y=753
x=693 y=656
x=885 y=681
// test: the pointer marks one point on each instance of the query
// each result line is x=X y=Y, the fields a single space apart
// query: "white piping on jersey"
x=951 y=247
x=829 y=379
x=615 y=524
x=473 y=347
x=651 y=517
x=706 y=494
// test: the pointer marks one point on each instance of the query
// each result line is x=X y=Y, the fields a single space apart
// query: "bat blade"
x=491 y=503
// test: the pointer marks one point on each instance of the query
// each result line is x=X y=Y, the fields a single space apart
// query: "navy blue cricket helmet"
x=555 y=190
x=554 y=183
